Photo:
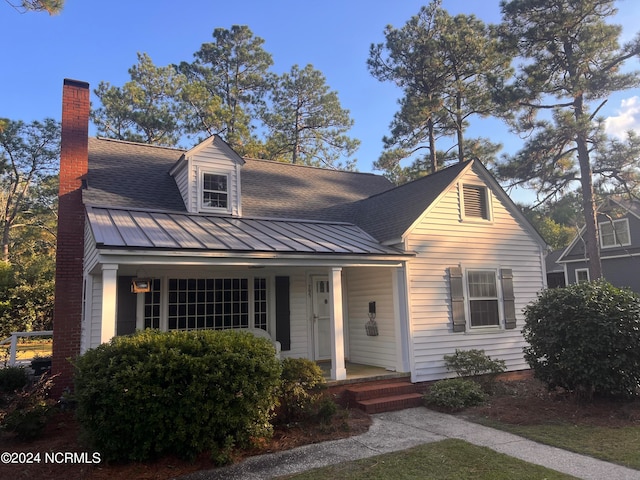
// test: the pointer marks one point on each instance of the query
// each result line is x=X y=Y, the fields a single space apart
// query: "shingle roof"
x=275 y=189
x=124 y=174
x=136 y=176
x=388 y=215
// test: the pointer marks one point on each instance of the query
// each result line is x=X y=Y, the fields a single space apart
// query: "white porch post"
x=109 y=298
x=338 y=370
x=402 y=324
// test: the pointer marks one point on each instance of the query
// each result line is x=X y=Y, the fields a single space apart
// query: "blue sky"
x=97 y=41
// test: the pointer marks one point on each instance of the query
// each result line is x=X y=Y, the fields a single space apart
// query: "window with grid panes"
x=260 y=303
x=614 y=233
x=215 y=191
x=483 y=298
x=152 y=306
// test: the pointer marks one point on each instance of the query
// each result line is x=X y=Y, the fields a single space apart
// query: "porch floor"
x=356 y=373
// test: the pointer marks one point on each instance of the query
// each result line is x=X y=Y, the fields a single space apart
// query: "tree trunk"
x=588 y=202
x=432 y=146
x=5 y=241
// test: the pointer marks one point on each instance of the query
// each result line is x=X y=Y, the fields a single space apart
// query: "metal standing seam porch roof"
x=143 y=229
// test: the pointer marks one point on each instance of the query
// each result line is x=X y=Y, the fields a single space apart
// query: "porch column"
x=109 y=298
x=338 y=370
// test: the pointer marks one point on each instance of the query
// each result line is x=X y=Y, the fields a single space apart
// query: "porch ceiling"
x=140 y=229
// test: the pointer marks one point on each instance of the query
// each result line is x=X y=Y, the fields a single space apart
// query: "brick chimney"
x=67 y=318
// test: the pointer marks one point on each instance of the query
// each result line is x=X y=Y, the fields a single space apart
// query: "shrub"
x=29 y=409
x=476 y=365
x=454 y=394
x=585 y=338
x=302 y=380
x=12 y=379
x=153 y=393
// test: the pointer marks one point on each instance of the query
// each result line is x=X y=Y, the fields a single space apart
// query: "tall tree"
x=305 y=120
x=446 y=67
x=571 y=62
x=145 y=109
x=226 y=84
x=29 y=153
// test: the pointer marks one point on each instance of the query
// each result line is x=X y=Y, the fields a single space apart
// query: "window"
x=487 y=300
x=220 y=303
x=215 y=192
x=582 y=275
x=614 y=233
x=152 y=306
x=483 y=298
x=475 y=201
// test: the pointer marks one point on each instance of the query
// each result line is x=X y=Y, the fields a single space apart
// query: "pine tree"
x=305 y=120
x=571 y=62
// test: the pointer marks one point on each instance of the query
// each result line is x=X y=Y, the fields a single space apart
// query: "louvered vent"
x=475 y=201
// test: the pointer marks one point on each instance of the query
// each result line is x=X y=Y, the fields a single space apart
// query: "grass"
x=440 y=460
x=30 y=349
x=617 y=445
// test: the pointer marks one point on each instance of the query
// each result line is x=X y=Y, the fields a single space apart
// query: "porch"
x=359 y=373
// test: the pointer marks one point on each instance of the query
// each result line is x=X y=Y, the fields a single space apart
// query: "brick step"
x=377 y=390
x=390 y=403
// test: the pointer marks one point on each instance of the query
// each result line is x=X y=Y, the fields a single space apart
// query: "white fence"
x=13 y=340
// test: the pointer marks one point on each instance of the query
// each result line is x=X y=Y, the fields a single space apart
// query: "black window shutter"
x=457 y=299
x=508 y=298
x=283 y=315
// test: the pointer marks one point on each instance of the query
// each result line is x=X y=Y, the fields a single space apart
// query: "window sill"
x=484 y=330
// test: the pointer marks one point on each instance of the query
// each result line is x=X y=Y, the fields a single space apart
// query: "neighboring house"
x=336 y=266
x=555 y=271
x=619 y=235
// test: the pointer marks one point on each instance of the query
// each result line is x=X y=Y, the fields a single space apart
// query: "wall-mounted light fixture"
x=140 y=285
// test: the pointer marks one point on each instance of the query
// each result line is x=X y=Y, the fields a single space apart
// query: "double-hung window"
x=214 y=191
x=483 y=298
x=614 y=233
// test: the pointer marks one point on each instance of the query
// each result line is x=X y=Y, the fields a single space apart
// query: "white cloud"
x=628 y=118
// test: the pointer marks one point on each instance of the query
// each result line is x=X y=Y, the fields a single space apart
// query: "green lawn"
x=617 y=445
x=448 y=459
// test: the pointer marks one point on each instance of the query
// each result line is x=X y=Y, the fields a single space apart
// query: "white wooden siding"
x=181 y=177
x=94 y=322
x=90 y=250
x=366 y=285
x=443 y=239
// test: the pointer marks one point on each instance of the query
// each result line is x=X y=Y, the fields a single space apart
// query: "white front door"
x=321 y=317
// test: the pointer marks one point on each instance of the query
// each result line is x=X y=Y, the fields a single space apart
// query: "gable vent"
x=475 y=201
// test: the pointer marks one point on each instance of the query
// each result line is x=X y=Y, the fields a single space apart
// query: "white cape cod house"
x=339 y=267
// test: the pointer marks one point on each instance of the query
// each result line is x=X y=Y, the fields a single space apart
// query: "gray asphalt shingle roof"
x=128 y=176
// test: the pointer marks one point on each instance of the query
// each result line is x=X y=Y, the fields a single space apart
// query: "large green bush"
x=152 y=393
x=585 y=338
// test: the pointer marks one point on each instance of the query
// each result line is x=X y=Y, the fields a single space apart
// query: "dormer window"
x=214 y=192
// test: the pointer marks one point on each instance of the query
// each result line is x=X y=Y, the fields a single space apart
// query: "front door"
x=321 y=317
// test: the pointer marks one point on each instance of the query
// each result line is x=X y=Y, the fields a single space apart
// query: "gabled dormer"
x=208 y=177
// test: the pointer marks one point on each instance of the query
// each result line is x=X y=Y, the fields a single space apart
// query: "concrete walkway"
x=404 y=429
